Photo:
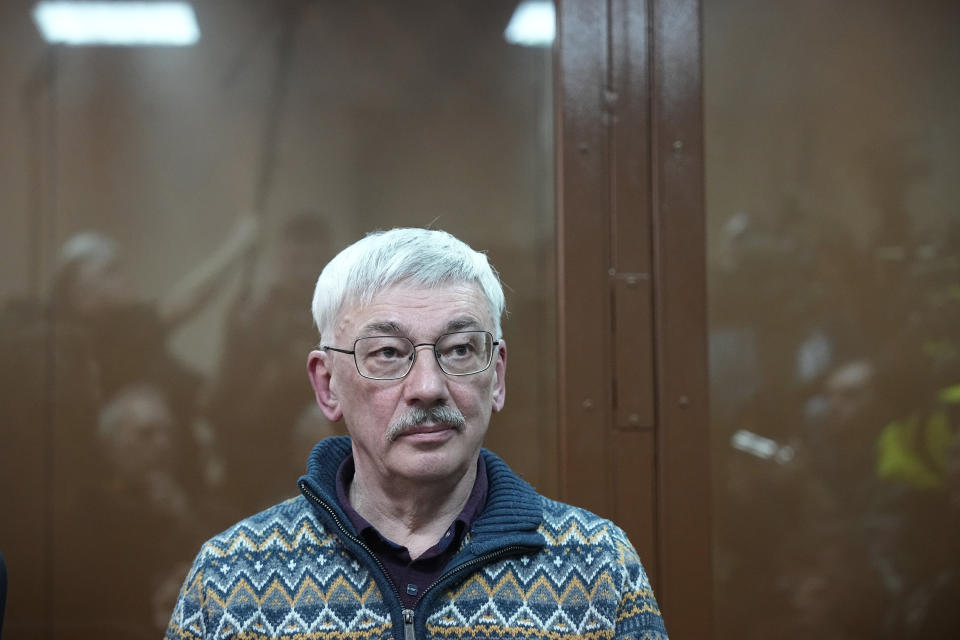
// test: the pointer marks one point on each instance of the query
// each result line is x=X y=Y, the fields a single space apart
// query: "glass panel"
x=166 y=210
x=833 y=148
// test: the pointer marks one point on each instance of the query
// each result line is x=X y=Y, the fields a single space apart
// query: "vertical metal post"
x=631 y=287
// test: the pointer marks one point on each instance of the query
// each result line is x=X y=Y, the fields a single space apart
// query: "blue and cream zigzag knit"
x=530 y=567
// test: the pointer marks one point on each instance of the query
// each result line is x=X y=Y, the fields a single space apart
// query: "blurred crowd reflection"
x=144 y=456
x=836 y=406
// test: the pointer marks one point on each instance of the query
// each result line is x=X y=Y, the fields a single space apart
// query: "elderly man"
x=408 y=528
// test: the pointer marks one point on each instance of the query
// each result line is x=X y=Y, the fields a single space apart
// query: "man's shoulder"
x=576 y=537
x=284 y=525
x=564 y=524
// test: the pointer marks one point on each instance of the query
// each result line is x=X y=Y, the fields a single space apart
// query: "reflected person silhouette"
x=258 y=392
x=114 y=533
x=127 y=334
x=143 y=447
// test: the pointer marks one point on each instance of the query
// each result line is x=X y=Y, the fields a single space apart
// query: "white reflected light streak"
x=171 y=24
x=761 y=447
x=533 y=24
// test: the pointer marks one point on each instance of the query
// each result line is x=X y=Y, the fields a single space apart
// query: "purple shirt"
x=413 y=577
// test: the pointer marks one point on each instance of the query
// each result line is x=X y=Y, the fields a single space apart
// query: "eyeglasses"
x=461 y=353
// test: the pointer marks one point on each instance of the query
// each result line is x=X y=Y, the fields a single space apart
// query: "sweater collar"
x=512 y=515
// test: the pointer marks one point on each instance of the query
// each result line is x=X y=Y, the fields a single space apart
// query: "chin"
x=432 y=465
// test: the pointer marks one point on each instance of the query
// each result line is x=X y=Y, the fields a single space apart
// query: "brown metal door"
x=632 y=357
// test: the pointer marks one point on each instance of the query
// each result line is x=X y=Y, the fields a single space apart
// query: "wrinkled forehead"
x=408 y=307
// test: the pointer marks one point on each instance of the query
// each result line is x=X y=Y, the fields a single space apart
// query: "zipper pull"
x=408 y=632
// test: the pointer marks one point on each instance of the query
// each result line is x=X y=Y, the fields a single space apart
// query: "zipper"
x=408 y=619
x=479 y=560
x=409 y=631
x=407 y=613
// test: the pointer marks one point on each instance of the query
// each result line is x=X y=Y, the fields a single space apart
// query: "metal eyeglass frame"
x=413 y=354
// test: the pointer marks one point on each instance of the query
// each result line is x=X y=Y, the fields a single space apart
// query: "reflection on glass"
x=167 y=214
x=834 y=252
x=117 y=23
x=533 y=24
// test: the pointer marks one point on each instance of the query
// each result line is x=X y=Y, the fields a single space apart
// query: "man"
x=408 y=529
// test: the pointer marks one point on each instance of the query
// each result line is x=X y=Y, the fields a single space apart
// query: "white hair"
x=421 y=257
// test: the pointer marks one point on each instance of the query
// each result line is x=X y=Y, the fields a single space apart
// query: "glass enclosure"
x=165 y=210
x=833 y=150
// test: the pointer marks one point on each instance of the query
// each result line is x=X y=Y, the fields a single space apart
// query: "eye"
x=459 y=350
x=383 y=349
x=386 y=353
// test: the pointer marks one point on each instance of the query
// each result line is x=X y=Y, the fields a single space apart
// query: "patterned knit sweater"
x=530 y=567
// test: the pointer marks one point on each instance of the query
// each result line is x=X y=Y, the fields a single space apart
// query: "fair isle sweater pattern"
x=297 y=572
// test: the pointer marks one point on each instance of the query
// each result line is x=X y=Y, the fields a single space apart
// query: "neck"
x=410 y=513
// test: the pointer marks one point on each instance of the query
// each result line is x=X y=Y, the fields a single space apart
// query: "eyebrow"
x=462 y=324
x=385 y=328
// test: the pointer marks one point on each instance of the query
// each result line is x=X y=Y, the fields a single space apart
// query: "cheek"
x=345 y=383
x=474 y=400
x=372 y=400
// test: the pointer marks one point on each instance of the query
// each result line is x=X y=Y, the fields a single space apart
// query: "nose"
x=426 y=383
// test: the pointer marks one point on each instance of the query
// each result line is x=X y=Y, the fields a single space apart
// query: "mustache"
x=418 y=415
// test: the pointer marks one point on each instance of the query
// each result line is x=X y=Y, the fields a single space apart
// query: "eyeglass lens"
x=391 y=357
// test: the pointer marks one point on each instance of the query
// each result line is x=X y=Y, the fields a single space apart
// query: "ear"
x=500 y=376
x=320 y=379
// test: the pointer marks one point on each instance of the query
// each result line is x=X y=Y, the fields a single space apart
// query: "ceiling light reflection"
x=171 y=24
x=533 y=24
